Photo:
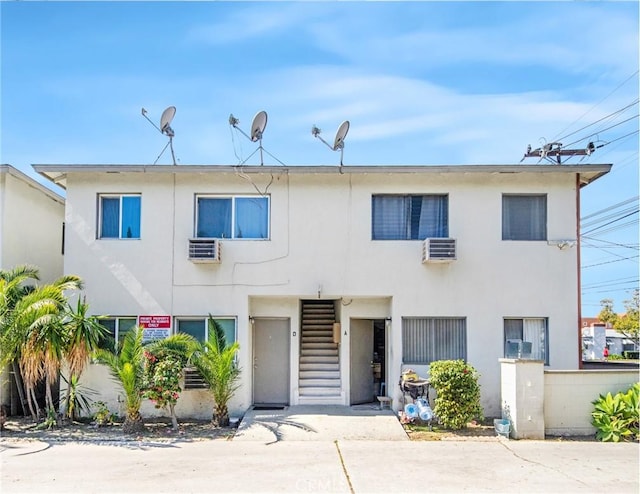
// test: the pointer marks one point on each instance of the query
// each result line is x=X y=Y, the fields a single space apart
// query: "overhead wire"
x=598 y=121
x=598 y=103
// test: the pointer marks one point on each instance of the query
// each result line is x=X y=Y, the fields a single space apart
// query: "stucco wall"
x=193 y=403
x=321 y=237
x=31 y=223
x=568 y=396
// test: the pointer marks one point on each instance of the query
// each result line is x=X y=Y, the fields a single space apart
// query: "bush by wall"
x=458 y=393
x=616 y=417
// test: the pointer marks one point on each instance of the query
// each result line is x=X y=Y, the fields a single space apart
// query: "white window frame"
x=205 y=320
x=435 y=329
x=546 y=217
x=118 y=319
x=543 y=345
x=119 y=196
x=409 y=233
x=233 y=198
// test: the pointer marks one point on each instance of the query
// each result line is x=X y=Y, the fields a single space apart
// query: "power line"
x=603 y=130
x=608 y=217
x=609 y=208
x=609 y=262
x=600 y=102
x=597 y=121
x=611 y=222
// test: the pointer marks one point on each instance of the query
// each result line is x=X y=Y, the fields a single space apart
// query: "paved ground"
x=343 y=466
x=349 y=450
x=321 y=423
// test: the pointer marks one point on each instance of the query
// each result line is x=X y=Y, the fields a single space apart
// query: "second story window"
x=119 y=216
x=409 y=217
x=524 y=217
x=245 y=217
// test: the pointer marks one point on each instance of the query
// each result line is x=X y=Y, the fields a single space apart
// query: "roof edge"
x=14 y=172
x=57 y=172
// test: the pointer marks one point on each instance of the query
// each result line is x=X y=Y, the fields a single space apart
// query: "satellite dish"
x=258 y=125
x=166 y=119
x=338 y=143
x=257 y=128
x=165 y=129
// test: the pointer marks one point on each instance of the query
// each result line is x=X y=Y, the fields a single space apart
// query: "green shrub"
x=458 y=393
x=102 y=416
x=616 y=417
x=631 y=354
x=615 y=356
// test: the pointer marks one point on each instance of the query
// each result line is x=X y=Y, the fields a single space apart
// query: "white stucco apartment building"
x=31 y=232
x=332 y=279
x=31 y=224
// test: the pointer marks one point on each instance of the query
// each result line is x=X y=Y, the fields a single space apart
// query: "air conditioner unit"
x=518 y=349
x=204 y=250
x=439 y=250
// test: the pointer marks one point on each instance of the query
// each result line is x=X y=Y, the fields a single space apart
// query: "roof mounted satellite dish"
x=257 y=128
x=258 y=125
x=338 y=142
x=166 y=119
x=165 y=129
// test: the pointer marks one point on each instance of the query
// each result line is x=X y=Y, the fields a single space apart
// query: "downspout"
x=578 y=245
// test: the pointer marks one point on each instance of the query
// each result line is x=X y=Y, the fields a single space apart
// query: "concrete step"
x=317 y=339
x=320 y=366
x=316 y=333
x=318 y=352
x=321 y=391
x=320 y=400
x=319 y=383
x=319 y=374
x=319 y=346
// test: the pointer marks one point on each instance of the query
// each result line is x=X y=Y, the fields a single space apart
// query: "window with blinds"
x=425 y=340
x=524 y=217
x=409 y=217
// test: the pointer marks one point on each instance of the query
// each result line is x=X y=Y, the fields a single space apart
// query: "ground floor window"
x=198 y=327
x=117 y=328
x=427 y=339
x=526 y=338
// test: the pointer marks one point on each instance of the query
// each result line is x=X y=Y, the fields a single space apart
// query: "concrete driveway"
x=320 y=423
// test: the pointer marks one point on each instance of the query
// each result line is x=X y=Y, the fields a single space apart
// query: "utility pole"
x=554 y=150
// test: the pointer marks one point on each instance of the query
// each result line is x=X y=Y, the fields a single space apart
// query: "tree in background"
x=628 y=323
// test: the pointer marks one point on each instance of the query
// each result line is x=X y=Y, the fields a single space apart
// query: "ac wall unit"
x=204 y=250
x=439 y=250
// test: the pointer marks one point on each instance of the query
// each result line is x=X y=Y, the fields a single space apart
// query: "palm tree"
x=44 y=338
x=126 y=368
x=31 y=331
x=83 y=336
x=219 y=370
x=13 y=287
x=25 y=310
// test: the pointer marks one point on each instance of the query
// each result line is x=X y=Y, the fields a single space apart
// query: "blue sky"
x=420 y=82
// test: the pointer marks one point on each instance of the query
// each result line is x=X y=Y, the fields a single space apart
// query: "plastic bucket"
x=502 y=427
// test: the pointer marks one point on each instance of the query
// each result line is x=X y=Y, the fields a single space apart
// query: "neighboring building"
x=31 y=224
x=31 y=231
x=291 y=259
x=597 y=335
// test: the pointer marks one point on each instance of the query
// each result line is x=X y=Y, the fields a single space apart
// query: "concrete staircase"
x=319 y=366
